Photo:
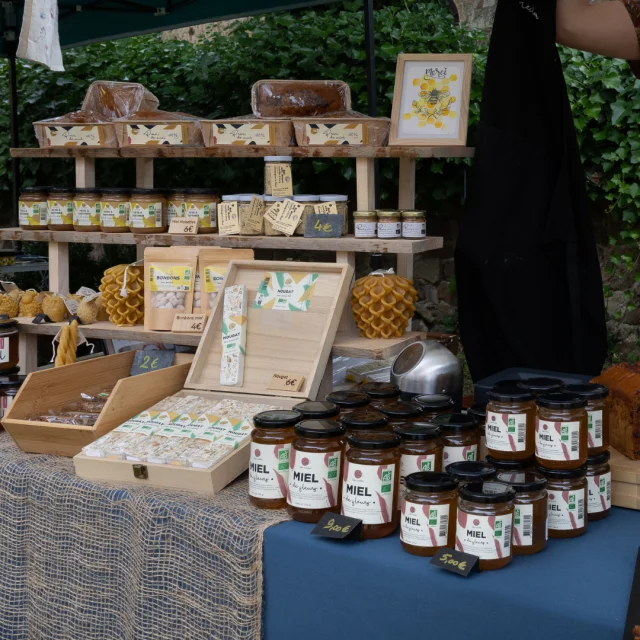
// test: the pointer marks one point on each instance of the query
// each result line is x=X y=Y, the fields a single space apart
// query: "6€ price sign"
x=153 y=360
x=184 y=226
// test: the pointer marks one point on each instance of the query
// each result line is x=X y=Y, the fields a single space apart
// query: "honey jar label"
x=599 y=493
x=459 y=454
x=595 y=428
x=314 y=479
x=146 y=215
x=115 y=215
x=488 y=537
x=523 y=525
x=5 y=403
x=557 y=440
x=566 y=510
x=34 y=214
x=367 y=492
x=424 y=525
x=414 y=229
x=389 y=229
x=506 y=431
x=86 y=214
x=170 y=278
x=412 y=464
x=60 y=212
x=269 y=470
x=213 y=278
x=206 y=213
x=365 y=229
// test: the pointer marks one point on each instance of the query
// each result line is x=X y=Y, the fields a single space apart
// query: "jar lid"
x=430 y=481
x=12 y=380
x=319 y=429
x=364 y=214
x=242 y=197
x=277 y=419
x=85 y=190
x=562 y=474
x=468 y=471
x=117 y=191
x=434 y=401
x=598 y=458
x=278 y=158
x=401 y=409
x=561 y=401
x=523 y=481
x=364 y=419
x=511 y=394
x=306 y=198
x=317 y=409
x=7 y=323
x=380 y=389
x=502 y=384
x=512 y=465
x=144 y=192
x=478 y=410
x=542 y=385
x=202 y=191
x=379 y=440
x=63 y=189
x=348 y=399
x=174 y=191
x=39 y=189
x=388 y=212
x=487 y=493
x=456 y=422
x=417 y=431
x=333 y=197
x=413 y=214
x=589 y=391
x=270 y=198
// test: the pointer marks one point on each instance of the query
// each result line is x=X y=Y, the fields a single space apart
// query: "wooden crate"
x=248 y=131
x=159 y=133
x=356 y=131
x=277 y=341
x=74 y=134
x=625 y=476
x=52 y=389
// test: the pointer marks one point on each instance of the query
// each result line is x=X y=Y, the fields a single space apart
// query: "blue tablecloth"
x=574 y=589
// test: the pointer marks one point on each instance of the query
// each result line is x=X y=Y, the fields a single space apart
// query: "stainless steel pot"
x=428 y=367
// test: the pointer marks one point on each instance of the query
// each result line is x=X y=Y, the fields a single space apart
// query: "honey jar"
x=598 y=415
x=567 y=502
x=599 y=486
x=60 y=209
x=459 y=433
x=511 y=424
x=33 y=208
x=389 y=224
x=414 y=225
x=365 y=224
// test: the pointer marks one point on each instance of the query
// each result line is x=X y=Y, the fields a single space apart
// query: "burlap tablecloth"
x=87 y=561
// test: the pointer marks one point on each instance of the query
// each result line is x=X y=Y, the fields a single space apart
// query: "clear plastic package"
x=113 y=100
x=342 y=127
x=154 y=128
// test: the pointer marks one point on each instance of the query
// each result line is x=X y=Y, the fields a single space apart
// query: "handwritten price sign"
x=148 y=361
x=184 y=226
x=188 y=323
x=286 y=381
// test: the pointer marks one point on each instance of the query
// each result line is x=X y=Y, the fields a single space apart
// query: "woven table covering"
x=81 y=560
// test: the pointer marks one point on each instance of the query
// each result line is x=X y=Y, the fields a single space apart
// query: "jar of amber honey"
x=434 y=405
x=598 y=415
x=511 y=424
x=568 y=501
x=399 y=411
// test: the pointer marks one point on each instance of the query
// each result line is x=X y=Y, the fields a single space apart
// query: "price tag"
x=72 y=305
x=85 y=291
x=455 y=561
x=325 y=207
x=189 y=323
x=147 y=361
x=289 y=217
x=323 y=225
x=339 y=527
x=255 y=221
x=274 y=212
x=228 y=222
x=9 y=286
x=184 y=226
x=281 y=182
x=286 y=382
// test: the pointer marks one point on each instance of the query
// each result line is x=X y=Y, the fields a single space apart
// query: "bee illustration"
x=434 y=96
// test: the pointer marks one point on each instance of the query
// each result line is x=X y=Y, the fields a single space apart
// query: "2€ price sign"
x=455 y=561
x=148 y=361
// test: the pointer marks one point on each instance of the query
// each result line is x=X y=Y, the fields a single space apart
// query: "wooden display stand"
x=278 y=341
x=625 y=478
x=347 y=343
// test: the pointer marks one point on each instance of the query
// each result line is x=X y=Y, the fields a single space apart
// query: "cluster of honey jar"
x=417 y=465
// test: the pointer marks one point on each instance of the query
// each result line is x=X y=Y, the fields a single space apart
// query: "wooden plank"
x=144 y=173
x=365 y=184
x=377 y=349
x=407 y=183
x=85 y=172
x=249 y=151
x=27 y=352
x=623 y=469
x=344 y=244
x=347 y=323
x=59 y=267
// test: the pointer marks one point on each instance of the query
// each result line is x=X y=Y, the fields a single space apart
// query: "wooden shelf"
x=344 y=345
x=250 y=151
x=346 y=243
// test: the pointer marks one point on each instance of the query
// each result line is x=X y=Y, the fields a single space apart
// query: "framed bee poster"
x=431 y=99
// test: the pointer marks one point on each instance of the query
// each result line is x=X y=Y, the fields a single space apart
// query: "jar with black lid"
x=511 y=424
x=434 y=405
x=420 y=450
x=599 y=486
x=485 y=523
x=370 y=488
x=271 y=441
x=598 y=415
x=530 y=517
x=479 y=411
x=318 y=410
x=428 y=518
x=460 y=436
x=568 y=501
x=471 y=472
x=399 y=411
x=9 y=387
x=542 y=386
x=380 y=392
x=348 y=401
x=529 y=464
x=365 y=420
x=506 y=384
x=561 y=431
x=315 y=470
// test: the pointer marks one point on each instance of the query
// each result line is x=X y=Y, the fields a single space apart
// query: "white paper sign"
x=39 y=40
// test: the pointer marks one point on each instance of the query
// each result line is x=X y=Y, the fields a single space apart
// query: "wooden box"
x=52 y=389
x=355 y=131
x=159 y=133
x=625 y=477
x=74 y=134
x=248 y=131
x=278 y=341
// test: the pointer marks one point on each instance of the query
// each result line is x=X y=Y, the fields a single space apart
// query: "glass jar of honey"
x=599 y=485
x=203 y=204
x=459 y=433
x=60 y=209
x=271 y=164
x=542 y=386
x=86 y=209
x=176 y=204
x=513 y=465
x=33 y=208
x=365 y=420
x=434 y=405
x=479 y=411
x=380 y=392
x=389 y=224
x=414 y=224
x=471 y=472
x=399 y=411
x=370 y=487
x=365 y=224
x=561 y=431
x=568 y=501
x=428 y=518
x=485 y=523
x=315 y=466
x=511 y=424
x=271 y=442
x=115 y=210
x=348 y=401
x=318 y=410
x=598 y=414
x=147 y=211
x=530 y=517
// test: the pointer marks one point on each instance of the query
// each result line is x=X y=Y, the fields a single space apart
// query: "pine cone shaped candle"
x=123 y=295
x=383 y=304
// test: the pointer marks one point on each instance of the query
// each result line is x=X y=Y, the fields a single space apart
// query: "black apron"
x=527 y=271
